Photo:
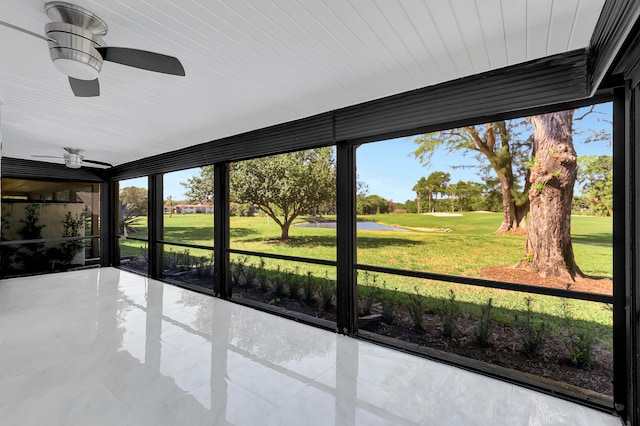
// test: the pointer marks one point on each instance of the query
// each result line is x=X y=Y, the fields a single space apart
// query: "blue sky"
x=390 y=171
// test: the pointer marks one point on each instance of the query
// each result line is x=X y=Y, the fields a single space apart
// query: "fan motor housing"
x=73 y=50
x=76 y=45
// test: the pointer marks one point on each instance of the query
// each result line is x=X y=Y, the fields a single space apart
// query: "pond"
x=362 y=226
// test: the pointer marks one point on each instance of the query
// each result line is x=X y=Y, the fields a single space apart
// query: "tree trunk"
x=549 y=251
x=285 y=230
x=514 y=217
x=418 y=201
x=453 y=207
x=286 y=224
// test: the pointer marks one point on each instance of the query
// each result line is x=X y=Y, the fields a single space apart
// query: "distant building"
x=204 y=207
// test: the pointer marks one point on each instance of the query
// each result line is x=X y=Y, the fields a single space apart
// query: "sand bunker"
x=443 y=214
x=425 y=229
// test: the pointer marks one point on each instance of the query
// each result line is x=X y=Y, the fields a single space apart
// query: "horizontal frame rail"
x=186 y=245
x=47 y=240
x=285 y=257
x=122 y=237
x=478 y=282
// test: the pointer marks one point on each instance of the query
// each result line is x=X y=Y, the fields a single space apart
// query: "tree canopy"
x=371 y=204
x=436 y=182
x=200 y=187
x=596 y=176
x=136 y=199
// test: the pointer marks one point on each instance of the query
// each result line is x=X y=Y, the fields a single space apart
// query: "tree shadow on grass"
x=241 y=232
x=330 y=241
x=600 y=239
x=504 y=316
x=189 y=234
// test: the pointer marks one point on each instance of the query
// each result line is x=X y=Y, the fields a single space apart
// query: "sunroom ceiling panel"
x=538 y=23
x=492 y=29
x=467 y=21
x=254 y=63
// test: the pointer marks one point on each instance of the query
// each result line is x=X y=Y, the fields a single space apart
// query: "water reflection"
x=361 y=226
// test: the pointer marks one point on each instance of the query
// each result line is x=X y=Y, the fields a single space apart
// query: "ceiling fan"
x=77 y=49
x=73 y=158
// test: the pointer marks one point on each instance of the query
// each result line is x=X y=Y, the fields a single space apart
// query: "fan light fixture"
x=75 y=69
x=73 y=161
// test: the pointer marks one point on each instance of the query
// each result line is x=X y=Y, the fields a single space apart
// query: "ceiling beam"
x=611 y=37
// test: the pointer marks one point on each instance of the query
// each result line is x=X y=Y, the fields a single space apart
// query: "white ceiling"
x=255 y=63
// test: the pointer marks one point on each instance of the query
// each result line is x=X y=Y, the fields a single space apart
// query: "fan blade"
x=31 y=33
x=100 y=163
x=142 y=59
x=45 y=156
x=84 y=88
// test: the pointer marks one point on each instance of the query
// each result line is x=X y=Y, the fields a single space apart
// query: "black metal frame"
x=221 y=275
x=346 y=289
x=156 y=218
x=628 y=327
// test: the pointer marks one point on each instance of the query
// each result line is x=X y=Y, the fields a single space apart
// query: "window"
x=478 y=242
x=48 y=226
x=133 y=209
x=283 y=231
x=187 y=245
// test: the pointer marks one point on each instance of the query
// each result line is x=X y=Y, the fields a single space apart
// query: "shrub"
x=578 y=342
x=250 y=273
x=293 y=279
x=416 y=308
x=309 y=287
x=580 y=345
x=278 y=282
x=389 y=303
x=326 y=293
x=532 y=335
x=449 y=315
x=71 y=228
x=485 y=323
x=262 y=276
x=237 y=270
x=371 y=294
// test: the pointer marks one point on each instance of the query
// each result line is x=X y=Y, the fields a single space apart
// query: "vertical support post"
x=155 y=224
x=346 y=239
x=95 y=218
x=109 y=224
x=221 y=276
x=632 y=234
x=622 y=249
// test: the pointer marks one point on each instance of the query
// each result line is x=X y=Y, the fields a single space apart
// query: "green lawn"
x=470 y=246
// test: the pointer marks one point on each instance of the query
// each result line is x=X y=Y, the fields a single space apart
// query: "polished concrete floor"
x=107 y=347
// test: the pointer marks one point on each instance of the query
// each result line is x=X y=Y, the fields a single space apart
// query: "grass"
x=470 y=246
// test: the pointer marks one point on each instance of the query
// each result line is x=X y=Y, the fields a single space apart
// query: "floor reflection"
x=106 y=346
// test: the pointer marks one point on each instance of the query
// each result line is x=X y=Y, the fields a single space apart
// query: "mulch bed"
x=519 y=275
x=552 y=364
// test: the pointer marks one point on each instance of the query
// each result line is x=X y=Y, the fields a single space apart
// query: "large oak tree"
x=287 y=185
x=549 y=177
x=552 y=177
x=282 y=186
